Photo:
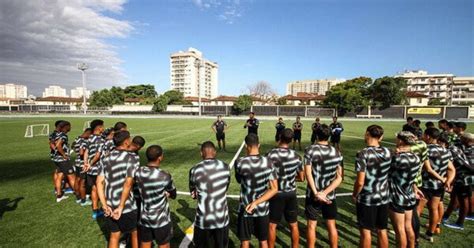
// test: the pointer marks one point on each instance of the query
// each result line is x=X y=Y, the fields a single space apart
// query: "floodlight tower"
x=83 y=67
x=198 y=64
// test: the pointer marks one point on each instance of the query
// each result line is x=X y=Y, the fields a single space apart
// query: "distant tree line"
x=351 y=95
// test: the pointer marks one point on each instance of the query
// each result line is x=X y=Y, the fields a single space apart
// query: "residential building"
x=13 y=91
x=303 y=98
x=55 y=100
x=54 y=91
x=195 y=100
x=463 y=91
x=193 y=75
x=416 y=99
x=316 y=86
x=435 y=86
x=78 y=92
x=224 y=101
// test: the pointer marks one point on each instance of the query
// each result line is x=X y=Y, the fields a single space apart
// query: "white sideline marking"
x=236 y=155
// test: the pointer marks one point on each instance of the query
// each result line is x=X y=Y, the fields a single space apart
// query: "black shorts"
x=277 y=137
x=218 y=238
x=64 y=167
x=314 y=208
x=336 y=139
x=90 y=180
x=284 y=203
x=372 y=217
x=161 y=235
x=258 y=226
x=126 y=223
x=297 y=136
x=79 y=173
x=400 y=209
x=314 y=137
x=220 y=136
x=462 y=191
x=430 y=193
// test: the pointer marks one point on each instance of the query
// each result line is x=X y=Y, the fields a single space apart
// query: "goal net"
x=37 y=130
x=87 y=124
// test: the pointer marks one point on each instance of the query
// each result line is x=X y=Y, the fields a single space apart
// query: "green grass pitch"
x=30 y=217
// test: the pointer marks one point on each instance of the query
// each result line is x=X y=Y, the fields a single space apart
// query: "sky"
x=129 y=42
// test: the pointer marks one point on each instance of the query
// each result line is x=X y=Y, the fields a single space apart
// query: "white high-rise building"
x=13 y=91
x=54 y=91
x=463 y=90
x=435 y=86
x=188 y=69
x=317 y=86
x=78 y=92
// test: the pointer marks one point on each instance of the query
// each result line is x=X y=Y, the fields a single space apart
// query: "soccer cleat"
x=78 y=201
x=454 y=226
x=469 y=217
x=86 y=203
x=63 y=197
x=444 y=221
x=427 y=238
x=68 y=191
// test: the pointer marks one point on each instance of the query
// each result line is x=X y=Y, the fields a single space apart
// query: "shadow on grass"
x=7 y=205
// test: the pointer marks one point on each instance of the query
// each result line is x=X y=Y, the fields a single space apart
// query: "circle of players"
x=393 y=184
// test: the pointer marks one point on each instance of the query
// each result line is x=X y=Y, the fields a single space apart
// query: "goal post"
x=87 y=124
x=37 y=130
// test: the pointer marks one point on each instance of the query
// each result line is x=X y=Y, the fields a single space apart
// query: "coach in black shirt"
x=252 y=124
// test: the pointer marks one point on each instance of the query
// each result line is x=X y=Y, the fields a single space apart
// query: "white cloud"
x=226 y=10
x=41 y=42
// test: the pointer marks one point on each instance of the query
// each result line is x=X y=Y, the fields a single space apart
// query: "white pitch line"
x=238 y=196
x=236 y=155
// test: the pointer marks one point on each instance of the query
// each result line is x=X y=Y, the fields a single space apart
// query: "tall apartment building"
x=78 y=92
x=318 y=86
x=191 y=73
x=435 y=86
x=54 y=90
x=13 y=91
x=463 y=90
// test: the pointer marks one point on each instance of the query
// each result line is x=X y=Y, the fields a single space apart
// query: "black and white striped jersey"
x=109 y=145
x=464 y=167
x=57 y=157
x=469 y=177
x=79 y=143
x=324 y=160
x=115 y=169
x=287 y=164
x=52 y=138
x=152 y=184
x=210 y=179
x=439 y=159
x=95 y=144
x=375 y=163
x=403 y=172
x=254 y=173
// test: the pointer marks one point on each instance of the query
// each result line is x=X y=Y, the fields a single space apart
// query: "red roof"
x=58 y=99
x=414 y=94
x=225 y=98
x=196 y=99
x=303 y=96
x=132 y=100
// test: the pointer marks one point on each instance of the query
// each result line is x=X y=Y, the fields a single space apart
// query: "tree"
x=262 y=90
x=117 y=94
x=281 y=101
x=242 y=104
x=175 y=97
x=387 y=91
x=436 y=102
x=349 y=95
x=140 y=91
x=160 y=103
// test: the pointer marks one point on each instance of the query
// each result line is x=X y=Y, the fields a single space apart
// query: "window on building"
x=419 y=100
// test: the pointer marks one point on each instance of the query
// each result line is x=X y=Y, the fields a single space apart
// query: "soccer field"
x=30 y=216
